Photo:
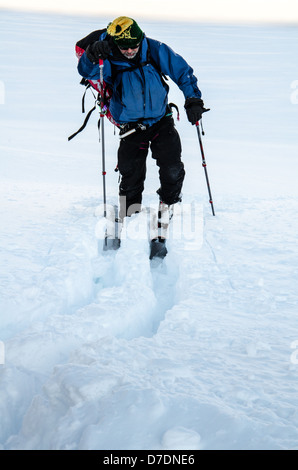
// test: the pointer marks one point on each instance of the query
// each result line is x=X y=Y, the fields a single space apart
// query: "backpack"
x=103 y=92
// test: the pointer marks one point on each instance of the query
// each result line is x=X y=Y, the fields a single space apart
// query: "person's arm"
x=86 y=67
x=181 y=73
x=175 y=67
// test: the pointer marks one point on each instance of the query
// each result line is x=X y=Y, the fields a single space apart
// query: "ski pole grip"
x=100 y=63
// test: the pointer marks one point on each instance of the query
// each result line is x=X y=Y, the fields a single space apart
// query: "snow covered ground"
x=105 y=351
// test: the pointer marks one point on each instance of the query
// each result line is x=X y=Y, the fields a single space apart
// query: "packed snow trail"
x=80 y=296
x=201 y=370
x=105 y=351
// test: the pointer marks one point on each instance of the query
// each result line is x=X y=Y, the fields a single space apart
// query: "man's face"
x=129 y=53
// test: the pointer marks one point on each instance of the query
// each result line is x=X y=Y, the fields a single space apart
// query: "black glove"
x=98 y=50
x=194 y=109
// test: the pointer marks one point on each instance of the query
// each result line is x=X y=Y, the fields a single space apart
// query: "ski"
x=158 y=248
x=159 y=231
x=112 y=240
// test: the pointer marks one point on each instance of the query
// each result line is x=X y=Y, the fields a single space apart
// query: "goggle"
x=125 y=48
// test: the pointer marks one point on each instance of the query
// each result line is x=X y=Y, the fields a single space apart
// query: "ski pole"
x=101 y=123
x=204 y=164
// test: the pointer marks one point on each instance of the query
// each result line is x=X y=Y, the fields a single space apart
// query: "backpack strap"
x=83 y=125
x=87 y=84
x=149 y=60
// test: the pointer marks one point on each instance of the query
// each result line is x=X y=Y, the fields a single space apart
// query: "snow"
x=104 y=351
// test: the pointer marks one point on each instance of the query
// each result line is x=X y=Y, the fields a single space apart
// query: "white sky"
x=269 y=11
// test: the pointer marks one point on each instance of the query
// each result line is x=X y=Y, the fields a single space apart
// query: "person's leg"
x=132 y=155
x=166 y=149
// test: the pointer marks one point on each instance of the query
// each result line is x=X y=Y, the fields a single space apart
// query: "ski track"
x=78 y=351
x=74 y=301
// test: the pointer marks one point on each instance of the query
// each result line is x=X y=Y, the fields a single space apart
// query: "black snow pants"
x=164 y=142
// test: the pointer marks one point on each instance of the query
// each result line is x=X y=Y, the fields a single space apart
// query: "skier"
x=134 y=71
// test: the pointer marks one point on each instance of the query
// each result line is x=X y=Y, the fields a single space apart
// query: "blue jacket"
x=140 y=95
